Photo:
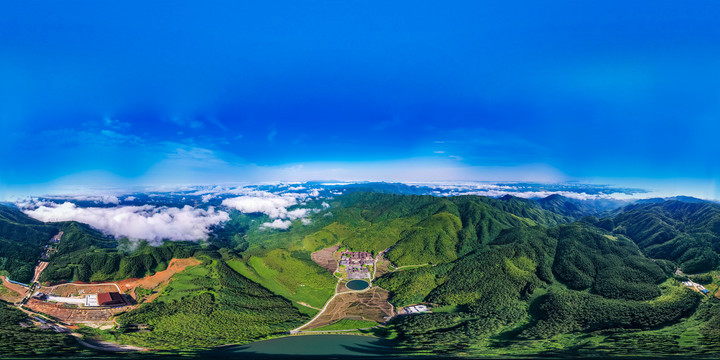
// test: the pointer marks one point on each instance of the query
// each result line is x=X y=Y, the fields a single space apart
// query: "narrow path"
x=307 y=305
x=409 y=266
x=296 y=330
x=336 y=293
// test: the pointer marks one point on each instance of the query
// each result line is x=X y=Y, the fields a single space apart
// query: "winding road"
x=297 y=330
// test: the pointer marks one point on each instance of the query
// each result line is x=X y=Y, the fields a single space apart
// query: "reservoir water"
x=311 y=345
x=357 y=285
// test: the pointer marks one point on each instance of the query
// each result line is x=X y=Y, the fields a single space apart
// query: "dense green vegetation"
x=208 y=305
x=609 y=265
x=569 y=311
x=17 y=340
x=686 y=233
x=100 y=264
x=528 y=284
x=505 y=276
x=297 y=277
x=419 y=230
x=21 y=239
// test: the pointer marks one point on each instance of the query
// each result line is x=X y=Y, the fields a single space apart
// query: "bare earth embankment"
x=11 y=292
x=367 y=305
x=326 y=259
x=157 y=279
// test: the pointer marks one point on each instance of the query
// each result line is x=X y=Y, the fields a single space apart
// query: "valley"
x=462 y=276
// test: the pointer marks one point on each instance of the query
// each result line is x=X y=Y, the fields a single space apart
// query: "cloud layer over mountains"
x=177 y=214
x=187 y=223
x=274 y=205
x=145 y=222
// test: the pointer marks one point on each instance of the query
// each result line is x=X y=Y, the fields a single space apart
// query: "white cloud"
x=206 y=198
x=277 y=224
x=272 y=205
x=146 y=222
x=301 y=213
x=325 y=205
x=105 y=199
x=130 y=198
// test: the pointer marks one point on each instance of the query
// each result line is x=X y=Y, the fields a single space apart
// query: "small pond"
x=357 y=285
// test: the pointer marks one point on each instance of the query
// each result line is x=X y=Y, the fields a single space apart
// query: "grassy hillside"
x=295 y=277
x=209 y=305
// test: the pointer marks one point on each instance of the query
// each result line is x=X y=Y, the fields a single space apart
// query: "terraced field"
x=370 y=305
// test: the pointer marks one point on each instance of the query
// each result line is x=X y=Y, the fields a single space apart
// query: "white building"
x=91 y=300
x=415 y=309
x=67 y=300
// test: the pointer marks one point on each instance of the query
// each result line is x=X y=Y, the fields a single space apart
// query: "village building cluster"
x=355 y=263
x=52 y=247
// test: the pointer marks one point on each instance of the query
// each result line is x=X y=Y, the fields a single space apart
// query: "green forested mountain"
x=84 y=254
x=426 y=229
x=504 y=276
x=21 y=239
x=505 y=271
x=416 y=229
x=573 y=209
x=95 y=263
x=538 y=283
x=209 y=305
x=686 y=233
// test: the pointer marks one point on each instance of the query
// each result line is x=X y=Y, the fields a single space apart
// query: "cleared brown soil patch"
x=66 y=313
x=326 y=258
x=341 y=287
x=78 y=289
x=39 y=269
x=382 y=267
x=368 y=305
x=159 y=278
x=11 y=292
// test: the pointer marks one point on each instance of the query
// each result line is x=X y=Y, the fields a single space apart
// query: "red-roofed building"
x=108 y=299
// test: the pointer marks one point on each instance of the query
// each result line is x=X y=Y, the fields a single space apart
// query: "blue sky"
x=131 y=93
